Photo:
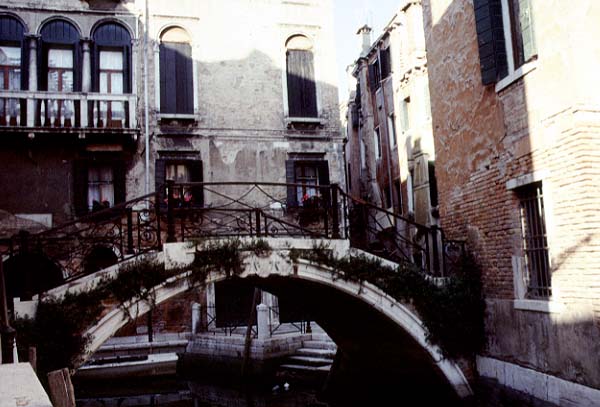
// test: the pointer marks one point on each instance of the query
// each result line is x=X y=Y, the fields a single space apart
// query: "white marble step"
x=324 y=368
x=312 y=344
x=312 y=361
x=316 y=352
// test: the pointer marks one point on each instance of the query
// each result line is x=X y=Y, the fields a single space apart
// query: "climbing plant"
x=59 y=325
x=452 y=309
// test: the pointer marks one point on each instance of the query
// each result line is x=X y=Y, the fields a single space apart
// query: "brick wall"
x=545 y=123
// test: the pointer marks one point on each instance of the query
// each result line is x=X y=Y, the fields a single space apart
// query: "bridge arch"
x=269 y=272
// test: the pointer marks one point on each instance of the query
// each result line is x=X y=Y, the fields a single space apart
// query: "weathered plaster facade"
x=240 y=126
x=397 y=106
x=541 y=123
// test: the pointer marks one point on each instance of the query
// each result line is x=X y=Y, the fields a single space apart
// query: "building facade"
x=515 y=113
x=105 y=101
x=390 y=154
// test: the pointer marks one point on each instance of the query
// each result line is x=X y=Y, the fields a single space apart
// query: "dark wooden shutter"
x=290 y=178
x=526 y=22
x=119 y=181
x=433 y=190
x=159 y=177
x=195 y=168
x=42 y=66
x=80 y=187
x=176 y=78
x=386 y=63
x=490 y=37
x=184 y=77
x=372 y=77
x=323 y=174
x=24 y=66
x=168 y=97
x=302 y=93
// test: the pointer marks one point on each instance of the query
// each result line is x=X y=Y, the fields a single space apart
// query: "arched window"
x=60 y=70
x=12 y=67
x=111 y=70
x=60 y=60
x=176 y=72
x=301 y=88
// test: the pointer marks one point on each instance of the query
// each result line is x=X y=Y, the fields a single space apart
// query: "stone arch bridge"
x=354 y=314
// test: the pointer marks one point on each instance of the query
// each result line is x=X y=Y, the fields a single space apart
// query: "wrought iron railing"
x=232 y=209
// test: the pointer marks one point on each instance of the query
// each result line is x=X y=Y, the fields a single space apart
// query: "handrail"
x=142 y=224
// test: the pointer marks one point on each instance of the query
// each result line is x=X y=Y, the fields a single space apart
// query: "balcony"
x=73 y=112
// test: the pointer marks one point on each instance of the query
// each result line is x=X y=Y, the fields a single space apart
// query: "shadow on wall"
x=491 y=191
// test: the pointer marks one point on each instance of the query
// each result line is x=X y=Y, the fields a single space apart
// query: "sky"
x=349 y=16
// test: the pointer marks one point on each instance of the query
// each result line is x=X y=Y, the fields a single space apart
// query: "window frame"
x=514 y=72
x=110 y=122
x=6 y=85
x=377 y=142
x=536 y=253
x=98 y=184
x=310 y=48
x=160 y=50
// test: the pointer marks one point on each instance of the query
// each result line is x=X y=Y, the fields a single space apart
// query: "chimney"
x=365 y=39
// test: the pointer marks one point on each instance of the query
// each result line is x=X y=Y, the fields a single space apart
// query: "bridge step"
x=316 y=352
x=306 y=368
x=310 y=361
x=312 y=344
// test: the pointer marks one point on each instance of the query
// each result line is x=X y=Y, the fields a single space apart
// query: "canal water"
x=280 y=390
x=180 y=392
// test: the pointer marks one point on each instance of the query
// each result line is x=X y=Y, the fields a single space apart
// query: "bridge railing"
x=187 y=211
x=397 y=238
x=97 y=240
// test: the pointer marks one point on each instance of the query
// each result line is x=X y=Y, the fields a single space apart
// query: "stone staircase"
x=315 y=355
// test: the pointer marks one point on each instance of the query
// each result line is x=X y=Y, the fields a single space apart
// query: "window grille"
x=535 y=241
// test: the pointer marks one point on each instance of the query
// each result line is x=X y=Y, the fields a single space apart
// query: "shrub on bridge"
x=452 y=310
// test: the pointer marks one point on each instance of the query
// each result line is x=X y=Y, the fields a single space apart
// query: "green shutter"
x=490 y=40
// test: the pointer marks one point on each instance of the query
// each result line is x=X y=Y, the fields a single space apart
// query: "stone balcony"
x=82 y=113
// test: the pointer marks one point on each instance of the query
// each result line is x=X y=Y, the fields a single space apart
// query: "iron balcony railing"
x=67 y=110
x=236 y=209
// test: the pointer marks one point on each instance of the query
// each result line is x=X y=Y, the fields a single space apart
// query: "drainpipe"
x=146 y=119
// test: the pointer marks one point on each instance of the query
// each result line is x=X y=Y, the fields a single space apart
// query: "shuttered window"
x=490 y=36
x=503 y=51
x=302 y=93
x=386 y=63
x=176 y=78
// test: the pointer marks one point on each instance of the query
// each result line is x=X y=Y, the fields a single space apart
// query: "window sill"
x=176 y=116
x=550 y=307
x=516 y=75
x=307 y=120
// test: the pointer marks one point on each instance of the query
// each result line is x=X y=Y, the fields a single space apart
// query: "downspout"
x=146 y=109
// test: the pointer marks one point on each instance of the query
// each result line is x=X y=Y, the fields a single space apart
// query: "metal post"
x=335 y=218
x=150 y=326
x=5 y=329
x=258 y=229
x=170 y=216
x=129 y=212
x=435 y=250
